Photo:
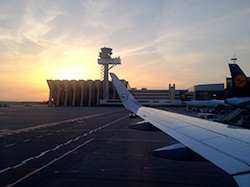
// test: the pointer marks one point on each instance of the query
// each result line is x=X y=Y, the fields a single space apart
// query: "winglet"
x=128 y=101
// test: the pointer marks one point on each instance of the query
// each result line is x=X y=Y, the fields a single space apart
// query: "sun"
x=68 y=74
x=74 y=73
x=71 y=75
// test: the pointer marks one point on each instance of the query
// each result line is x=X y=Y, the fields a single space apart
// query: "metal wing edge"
x=131 y=104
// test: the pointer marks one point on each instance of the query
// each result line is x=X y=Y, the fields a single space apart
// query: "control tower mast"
x=234 y=60
x=105 y=60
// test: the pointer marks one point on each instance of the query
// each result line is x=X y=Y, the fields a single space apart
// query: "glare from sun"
x=68 y=74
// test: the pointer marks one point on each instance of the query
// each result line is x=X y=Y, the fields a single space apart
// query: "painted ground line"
x=56 y=123
x=57 y=147
x=49 y=163
x=3 y=170
x=10 y=145
x=78 y=137
x=27 y=140
x=69 y=141
x=23 y=162
x=84 y=135
x=18 y=165
x=42 y=154
x=28 y=159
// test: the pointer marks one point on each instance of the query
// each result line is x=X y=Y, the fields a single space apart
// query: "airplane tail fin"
x=183 y=96
x=128 y=100
x=240 y=82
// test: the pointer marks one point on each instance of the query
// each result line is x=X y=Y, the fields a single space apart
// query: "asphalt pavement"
x=90 y=146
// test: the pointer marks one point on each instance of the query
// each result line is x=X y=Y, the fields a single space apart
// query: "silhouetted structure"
x=102 y=92
x=105 y=60
x=75 y=93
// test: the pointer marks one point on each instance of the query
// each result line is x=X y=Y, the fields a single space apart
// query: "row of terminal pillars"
x=105 y=60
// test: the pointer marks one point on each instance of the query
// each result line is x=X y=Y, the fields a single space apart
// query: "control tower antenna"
x=105 y=60
x=234 y=59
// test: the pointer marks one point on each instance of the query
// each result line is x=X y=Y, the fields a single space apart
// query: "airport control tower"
x=105 y=60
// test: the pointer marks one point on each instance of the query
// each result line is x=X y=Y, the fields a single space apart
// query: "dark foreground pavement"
x=92 y=147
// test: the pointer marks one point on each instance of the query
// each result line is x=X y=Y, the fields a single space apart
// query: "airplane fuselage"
x=210 y=104
x=240 y=102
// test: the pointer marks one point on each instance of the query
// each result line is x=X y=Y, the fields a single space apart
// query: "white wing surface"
x=225 y=146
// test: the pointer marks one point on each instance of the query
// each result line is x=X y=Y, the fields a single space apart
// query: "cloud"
x=178 y=41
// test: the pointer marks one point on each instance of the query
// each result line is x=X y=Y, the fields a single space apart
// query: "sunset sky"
x=185 y=42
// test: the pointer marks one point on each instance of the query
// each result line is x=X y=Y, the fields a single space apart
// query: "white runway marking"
x=10 y=145
x=80 y=121
x=84 y=135
x=77 y=138
x=18 y=165
x=28 y=159
x=3 y=170
x=27 y=140
x=23 y=162
x=42 y=154
x=60 y=145
x=57 y=147
x=56 y=123
x=68 y=142
x=49 y=163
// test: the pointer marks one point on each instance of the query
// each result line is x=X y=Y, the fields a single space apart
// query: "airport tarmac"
x=90 y=146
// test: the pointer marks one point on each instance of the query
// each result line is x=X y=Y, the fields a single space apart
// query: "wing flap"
x=197 y=133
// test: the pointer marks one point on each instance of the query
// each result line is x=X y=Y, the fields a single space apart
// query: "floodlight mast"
x=105 y=60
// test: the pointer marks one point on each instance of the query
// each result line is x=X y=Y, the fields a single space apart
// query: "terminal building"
x=86 y=92
x=81 y=93
x=102 y=92
x=208 y=91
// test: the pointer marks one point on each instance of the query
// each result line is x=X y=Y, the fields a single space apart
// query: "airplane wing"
x=225 y=146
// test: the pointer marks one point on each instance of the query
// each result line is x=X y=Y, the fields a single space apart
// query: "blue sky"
x=185 y=42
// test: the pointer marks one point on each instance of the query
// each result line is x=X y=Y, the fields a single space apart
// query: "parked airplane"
x=241 y=88
x=215 y=103
x=226 y=147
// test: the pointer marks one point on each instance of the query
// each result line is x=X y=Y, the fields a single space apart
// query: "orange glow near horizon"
x=157 y=46
x=27 y=80
x=71 y=74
